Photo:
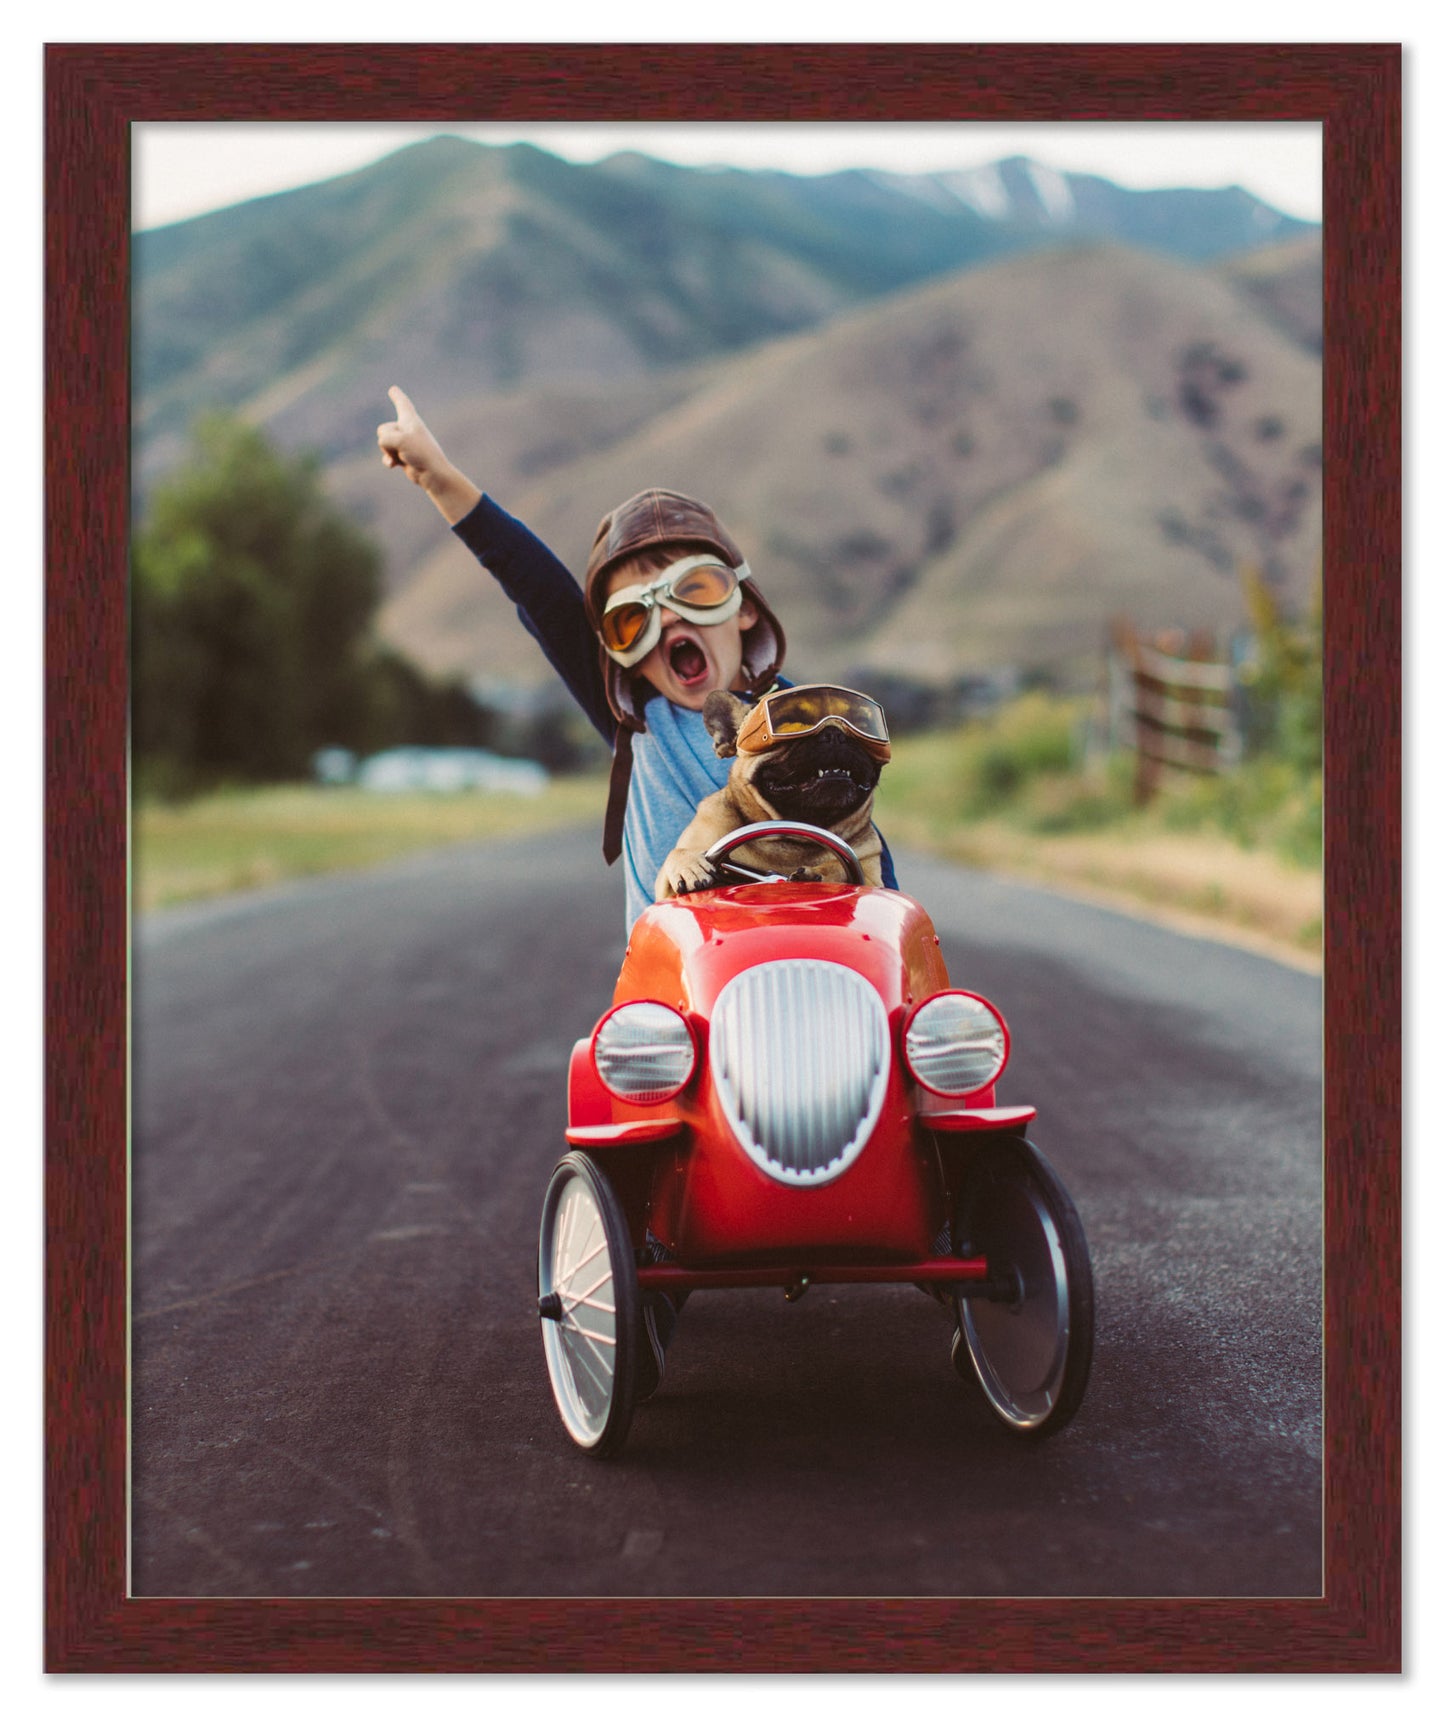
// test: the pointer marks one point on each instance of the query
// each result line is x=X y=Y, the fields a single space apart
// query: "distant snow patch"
x=982 y=188
x=1053 y=191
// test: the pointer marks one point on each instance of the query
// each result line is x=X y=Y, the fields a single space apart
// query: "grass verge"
x=1200 y=882
x=228 y=842
x=1237 y=856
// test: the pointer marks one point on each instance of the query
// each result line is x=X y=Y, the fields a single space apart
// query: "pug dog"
x=826 y=777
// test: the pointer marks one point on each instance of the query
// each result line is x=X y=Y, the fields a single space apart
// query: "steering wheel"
x=718 y=852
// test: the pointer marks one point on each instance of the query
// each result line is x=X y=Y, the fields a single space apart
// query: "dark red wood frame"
x=93 y=93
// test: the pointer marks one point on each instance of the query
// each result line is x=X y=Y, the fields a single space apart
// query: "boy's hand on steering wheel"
x=408 y=444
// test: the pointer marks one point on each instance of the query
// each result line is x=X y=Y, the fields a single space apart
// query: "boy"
x=674 y=608
x=669 y=613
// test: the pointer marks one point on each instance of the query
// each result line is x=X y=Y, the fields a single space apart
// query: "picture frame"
x=93 y=94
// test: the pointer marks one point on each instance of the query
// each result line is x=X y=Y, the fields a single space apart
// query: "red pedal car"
x=787 y=1091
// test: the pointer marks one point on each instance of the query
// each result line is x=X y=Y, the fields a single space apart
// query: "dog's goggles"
x=700 y=589
x=799 y=710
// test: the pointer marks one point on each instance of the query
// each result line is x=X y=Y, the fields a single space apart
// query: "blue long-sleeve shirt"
x=674 y=765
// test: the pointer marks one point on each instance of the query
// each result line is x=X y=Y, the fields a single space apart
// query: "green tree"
x=1287 y=684
x=252 y=603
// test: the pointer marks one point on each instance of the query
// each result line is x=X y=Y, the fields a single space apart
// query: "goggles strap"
x=617 y=785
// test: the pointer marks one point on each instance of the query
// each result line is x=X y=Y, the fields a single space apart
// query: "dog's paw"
x=804 y=874
x=685 y=873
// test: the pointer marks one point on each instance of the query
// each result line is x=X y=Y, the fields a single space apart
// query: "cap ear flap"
x=722 y=716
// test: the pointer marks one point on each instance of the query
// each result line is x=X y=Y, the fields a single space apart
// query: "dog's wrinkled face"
x=820 y=778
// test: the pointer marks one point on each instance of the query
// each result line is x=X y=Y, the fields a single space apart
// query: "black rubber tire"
x=1030 y=1358
x=581 y=1220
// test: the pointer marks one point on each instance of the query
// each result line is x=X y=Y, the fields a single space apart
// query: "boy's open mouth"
x=687 y=661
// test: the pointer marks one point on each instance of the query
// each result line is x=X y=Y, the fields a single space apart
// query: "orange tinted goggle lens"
x=622 y=627
x=705 y=586
x=701 y=587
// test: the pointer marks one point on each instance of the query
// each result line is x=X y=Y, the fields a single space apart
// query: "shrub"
x=982 y=768
x=1265 y=804
x=1032 y=736
x=1079 y=803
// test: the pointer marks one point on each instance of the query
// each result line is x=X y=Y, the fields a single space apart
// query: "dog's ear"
x=722 y=716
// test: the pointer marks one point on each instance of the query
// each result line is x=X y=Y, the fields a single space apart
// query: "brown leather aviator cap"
x=657 y=518
x=662 y=518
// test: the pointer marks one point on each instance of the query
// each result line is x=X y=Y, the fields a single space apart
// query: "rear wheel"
x=588 y=1300
x=1030 y=1346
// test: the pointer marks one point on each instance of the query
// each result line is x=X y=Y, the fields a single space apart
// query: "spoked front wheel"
x=588 y=1300
x=1030 y=1344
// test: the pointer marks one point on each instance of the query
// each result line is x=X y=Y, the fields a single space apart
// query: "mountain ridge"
x=842 y=364
x=522 y=267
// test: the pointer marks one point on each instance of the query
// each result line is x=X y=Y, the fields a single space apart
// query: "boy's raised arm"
x=548 y=599
x=408 y=443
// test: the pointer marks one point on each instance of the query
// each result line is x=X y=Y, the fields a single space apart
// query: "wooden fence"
x=1172 y=701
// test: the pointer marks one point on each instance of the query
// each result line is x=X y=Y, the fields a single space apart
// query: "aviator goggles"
x=799 y=710
x=701 y=589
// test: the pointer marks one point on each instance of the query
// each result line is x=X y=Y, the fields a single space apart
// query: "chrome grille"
x=799 y=1052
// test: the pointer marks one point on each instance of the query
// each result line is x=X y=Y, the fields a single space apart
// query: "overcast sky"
x=182 y=170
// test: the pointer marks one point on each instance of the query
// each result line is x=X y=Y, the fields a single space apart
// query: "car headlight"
x=956 y=1043
x=644 y=1051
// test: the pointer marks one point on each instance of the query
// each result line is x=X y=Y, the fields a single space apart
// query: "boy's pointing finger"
x=404 y=407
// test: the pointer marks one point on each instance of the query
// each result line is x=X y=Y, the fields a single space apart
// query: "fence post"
x=1164 y=700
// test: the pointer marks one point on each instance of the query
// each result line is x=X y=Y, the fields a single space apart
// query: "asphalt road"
x=348 y=1098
